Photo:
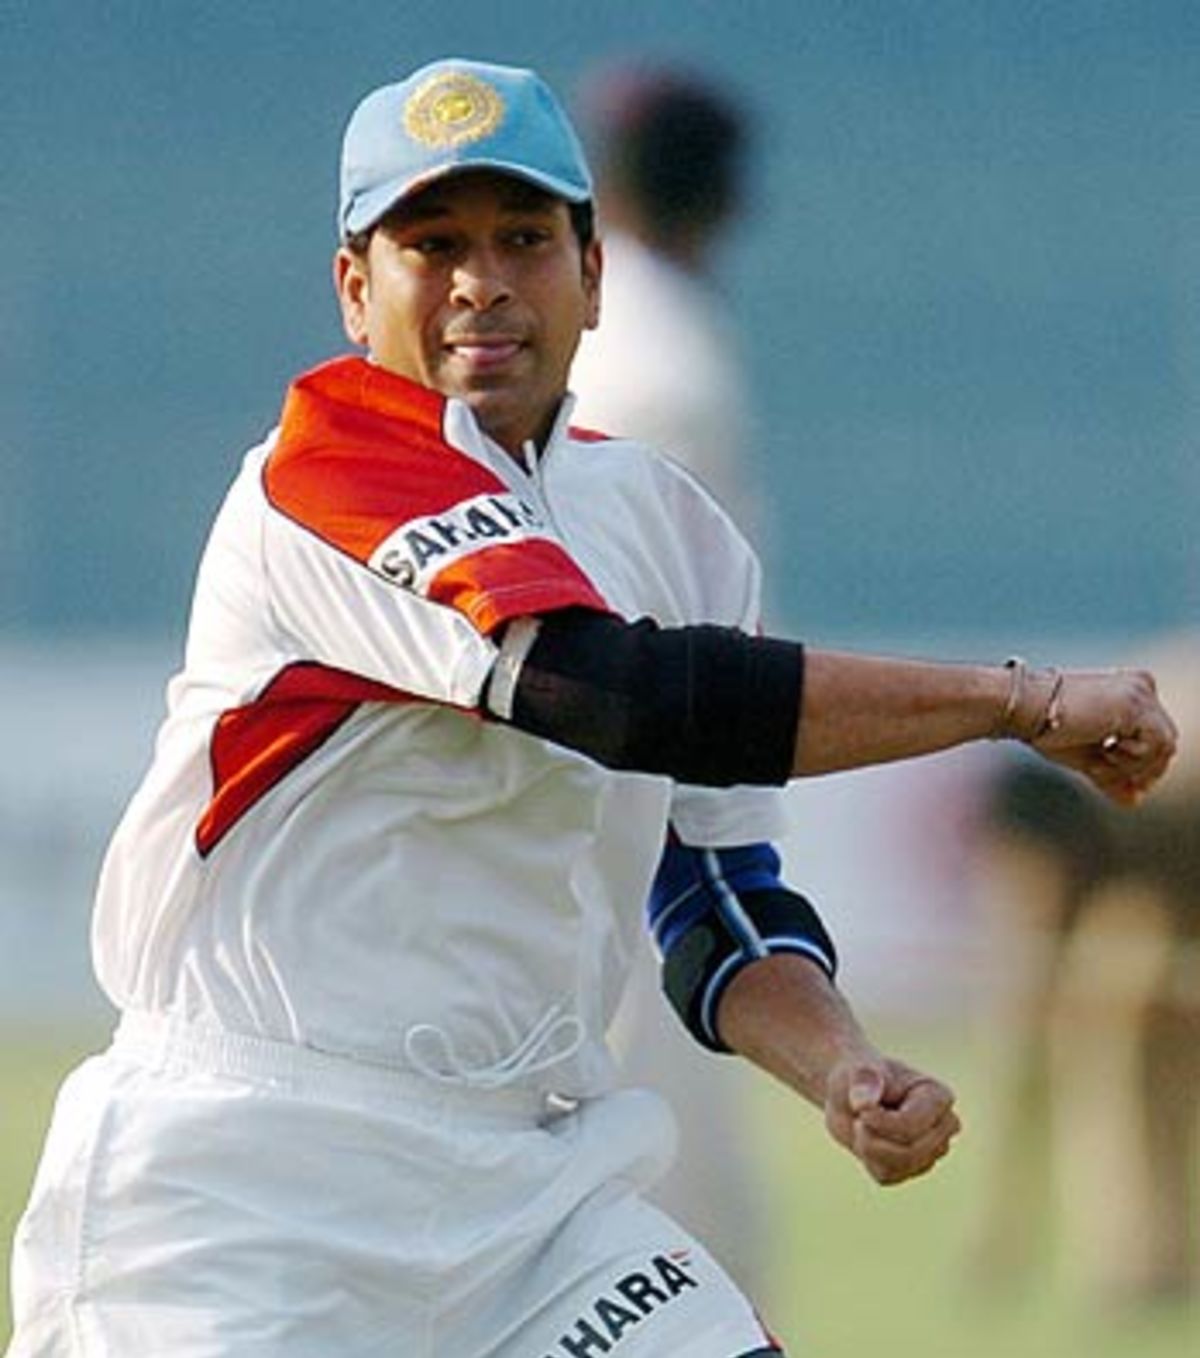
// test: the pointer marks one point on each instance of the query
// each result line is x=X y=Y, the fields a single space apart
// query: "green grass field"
x=859 y=1270
x=863 y=1270
x=31 y=1066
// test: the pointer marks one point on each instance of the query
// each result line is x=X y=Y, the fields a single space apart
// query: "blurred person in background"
x=670 y=152
x=1095 y=1041
x=669 y=149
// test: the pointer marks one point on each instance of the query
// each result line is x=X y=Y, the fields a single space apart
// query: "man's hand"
x=896 y=1121
x=1110 y=726
x=783 y=1014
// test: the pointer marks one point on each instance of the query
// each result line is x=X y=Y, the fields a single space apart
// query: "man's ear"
x=352 y=282
x=593 y=267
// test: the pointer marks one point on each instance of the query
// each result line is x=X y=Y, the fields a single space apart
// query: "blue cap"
x=450 y=116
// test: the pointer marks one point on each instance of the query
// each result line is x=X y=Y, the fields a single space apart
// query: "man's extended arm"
x=713 y=706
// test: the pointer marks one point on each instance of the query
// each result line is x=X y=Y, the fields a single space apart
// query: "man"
x=367 y=915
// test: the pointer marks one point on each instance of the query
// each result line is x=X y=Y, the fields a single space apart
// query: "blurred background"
x=965 y=282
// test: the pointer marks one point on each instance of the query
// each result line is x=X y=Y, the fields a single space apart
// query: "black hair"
x=671 y=144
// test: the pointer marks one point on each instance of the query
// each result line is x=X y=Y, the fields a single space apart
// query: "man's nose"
x=479 y=282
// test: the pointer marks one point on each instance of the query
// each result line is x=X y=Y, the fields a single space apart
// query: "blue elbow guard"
x=712 y=911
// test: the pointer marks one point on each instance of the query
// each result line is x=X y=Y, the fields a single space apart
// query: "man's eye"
x=529 y=235
x=431 y=245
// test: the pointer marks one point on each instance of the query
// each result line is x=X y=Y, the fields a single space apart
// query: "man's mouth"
x=484 y=352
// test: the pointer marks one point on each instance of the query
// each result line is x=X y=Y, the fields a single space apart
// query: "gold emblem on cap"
x=452 y=109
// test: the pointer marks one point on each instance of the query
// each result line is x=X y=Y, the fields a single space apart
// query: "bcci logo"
x=451 y=110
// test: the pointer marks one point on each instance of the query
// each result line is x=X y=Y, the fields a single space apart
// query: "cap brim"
x=366 y=210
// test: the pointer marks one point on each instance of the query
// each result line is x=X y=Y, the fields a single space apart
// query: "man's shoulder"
x=642 y=474
x=616 y=450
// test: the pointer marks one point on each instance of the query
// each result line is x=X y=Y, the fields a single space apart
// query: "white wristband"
x=501 y=687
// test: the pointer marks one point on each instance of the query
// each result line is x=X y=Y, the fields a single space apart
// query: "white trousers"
x=206 y=1195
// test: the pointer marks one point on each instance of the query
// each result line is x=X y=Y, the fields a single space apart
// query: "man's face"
x=476 y=287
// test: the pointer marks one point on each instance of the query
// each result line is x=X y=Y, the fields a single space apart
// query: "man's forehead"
x=510 y=192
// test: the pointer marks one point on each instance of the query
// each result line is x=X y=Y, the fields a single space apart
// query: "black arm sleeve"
x=705 y=705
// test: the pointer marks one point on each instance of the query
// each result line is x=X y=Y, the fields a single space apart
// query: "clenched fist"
x=896 y=1121
x=1107 y=725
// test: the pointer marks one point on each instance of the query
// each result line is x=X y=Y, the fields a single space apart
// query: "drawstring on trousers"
x=539 y=1050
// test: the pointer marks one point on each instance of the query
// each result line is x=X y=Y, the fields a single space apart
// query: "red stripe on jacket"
x=254 y=747
x=361 y=452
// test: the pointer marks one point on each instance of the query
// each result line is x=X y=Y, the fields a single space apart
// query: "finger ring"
x=1110 y=742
